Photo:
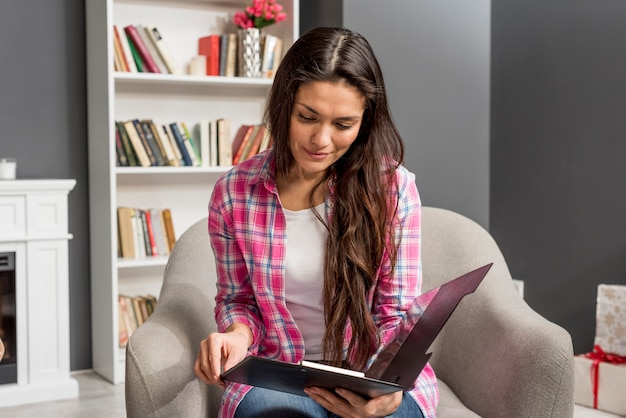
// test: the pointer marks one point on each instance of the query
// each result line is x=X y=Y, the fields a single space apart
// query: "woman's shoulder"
x=251 y=171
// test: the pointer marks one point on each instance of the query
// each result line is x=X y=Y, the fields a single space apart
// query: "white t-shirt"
x=304 y=276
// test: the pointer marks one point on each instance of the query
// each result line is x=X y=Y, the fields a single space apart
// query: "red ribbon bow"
x=598 y=356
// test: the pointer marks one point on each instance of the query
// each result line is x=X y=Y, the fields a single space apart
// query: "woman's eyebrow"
x=346 y=118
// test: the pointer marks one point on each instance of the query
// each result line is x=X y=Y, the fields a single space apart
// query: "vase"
x=249 y=52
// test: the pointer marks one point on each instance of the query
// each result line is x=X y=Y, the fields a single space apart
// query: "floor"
x=100 y=399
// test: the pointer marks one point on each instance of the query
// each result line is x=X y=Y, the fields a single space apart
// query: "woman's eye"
x=343 y=127
x=305 y=118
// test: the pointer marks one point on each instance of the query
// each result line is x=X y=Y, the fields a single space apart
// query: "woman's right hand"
x=220 y=351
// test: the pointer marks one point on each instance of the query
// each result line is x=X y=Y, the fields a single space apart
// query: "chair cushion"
x=450 y=406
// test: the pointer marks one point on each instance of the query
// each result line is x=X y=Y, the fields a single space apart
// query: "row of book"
x=139 y=48
x=144 y=143
x=133 y=312
x=248 y=141
x=218 y=55
x=144 y=232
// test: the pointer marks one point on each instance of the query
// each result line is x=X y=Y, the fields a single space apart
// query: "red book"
x=153 y=246
x=209 y=46
x=134 y=37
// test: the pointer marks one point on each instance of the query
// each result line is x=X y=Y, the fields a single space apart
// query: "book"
x=180 y=143
x=128 y=146
x=155 y=146
x=213 y=143
x=396 y=367
x=143 y=33
x=169 y=228
x=245 y=147
x=144 y=141
x=163 y=49
x=127 y=315
x=151 y=243
x=167 y=134
x=119 y=51
x=123 y=331
x=138 y=146
x=204 y=138
x=253 y=144
x=158 y=229
x=272 y=52
x=138 y=234
x=209 y=46
x=192 y=147
x=266 y=141
x=147 y=61
x=256 y=143
x=223 y=54
x=224 y=148
x=163 y=141
x=128 y=54
x=122 y=159
x=240 y=140
x=231 y=56
x=125 y=232
x=136 y=55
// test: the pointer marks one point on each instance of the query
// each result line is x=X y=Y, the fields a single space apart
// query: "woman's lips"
x=316 y=155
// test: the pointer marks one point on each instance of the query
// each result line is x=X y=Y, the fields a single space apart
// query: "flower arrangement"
x=262 y=13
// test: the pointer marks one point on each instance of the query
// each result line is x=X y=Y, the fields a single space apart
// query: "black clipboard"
x=397 y=366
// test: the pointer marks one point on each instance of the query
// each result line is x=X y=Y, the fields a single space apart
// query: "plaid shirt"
x=247 y=228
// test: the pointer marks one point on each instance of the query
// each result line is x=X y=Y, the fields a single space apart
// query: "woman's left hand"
x=348 y=404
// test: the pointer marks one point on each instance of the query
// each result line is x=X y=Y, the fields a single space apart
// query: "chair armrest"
x=160 y=354
x=507 y=360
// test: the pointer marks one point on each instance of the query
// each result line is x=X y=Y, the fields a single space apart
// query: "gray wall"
x=43 y=119
x=558 y=152
x=435 y=59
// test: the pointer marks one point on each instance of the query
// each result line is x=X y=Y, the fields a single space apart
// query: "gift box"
x=611 y=319
x=600 y=381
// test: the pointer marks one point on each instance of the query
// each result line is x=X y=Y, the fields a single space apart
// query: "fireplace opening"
x=8 y=335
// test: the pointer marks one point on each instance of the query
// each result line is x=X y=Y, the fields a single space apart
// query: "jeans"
x=265 y=403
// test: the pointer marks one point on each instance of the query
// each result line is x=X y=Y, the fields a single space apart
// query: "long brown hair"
x=361 y=228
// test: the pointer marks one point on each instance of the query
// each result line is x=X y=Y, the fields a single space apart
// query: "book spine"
x=223 y=53
x=169 y=228
x=144 y=142
x=133 y=35
x=192 y=148
x=122 y=159
x=157 y=150
x=167 y=132
x=140 y=151
x=180 y=142
x=150 y=230
x=119 y=51
x=128 y=147
x=164 y=143
x=209 y=46
x=152 y=50
x=136 y=55
x=231 y=55
x=163 y=50
x=223 y=142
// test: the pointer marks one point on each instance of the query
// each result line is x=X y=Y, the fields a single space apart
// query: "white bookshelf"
x=164 y=98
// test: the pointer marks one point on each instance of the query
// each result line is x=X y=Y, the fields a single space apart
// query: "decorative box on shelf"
x=600 y=375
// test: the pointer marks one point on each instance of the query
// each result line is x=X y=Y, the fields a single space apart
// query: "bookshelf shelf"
x=165 y=98
x=149 y=171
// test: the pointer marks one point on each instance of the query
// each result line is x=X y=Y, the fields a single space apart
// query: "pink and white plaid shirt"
x=247 y=228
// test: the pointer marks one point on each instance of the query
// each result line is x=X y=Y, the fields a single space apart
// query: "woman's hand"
x=348 y=404
x=221 y=351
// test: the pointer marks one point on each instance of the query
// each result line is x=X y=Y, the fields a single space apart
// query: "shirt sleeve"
x=234 y=301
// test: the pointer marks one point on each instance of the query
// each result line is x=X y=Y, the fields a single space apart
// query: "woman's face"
x=324 y=124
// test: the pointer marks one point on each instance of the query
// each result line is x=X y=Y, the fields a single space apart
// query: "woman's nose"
x=322 y=136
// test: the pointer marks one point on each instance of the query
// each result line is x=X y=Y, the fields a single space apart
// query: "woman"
x=317 y=240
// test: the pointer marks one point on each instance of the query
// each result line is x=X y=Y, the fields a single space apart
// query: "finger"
x=352 y=398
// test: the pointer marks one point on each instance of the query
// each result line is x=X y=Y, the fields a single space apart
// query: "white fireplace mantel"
x=34 y=225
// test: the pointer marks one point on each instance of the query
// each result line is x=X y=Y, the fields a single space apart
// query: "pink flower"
x=260 y=14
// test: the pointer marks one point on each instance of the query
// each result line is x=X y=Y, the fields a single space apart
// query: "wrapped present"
x=611 y=319
x=600 y=379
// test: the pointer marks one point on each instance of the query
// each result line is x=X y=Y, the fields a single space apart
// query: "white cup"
x=7 y=168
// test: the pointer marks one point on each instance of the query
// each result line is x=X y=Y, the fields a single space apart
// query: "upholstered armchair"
x=495 y=357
